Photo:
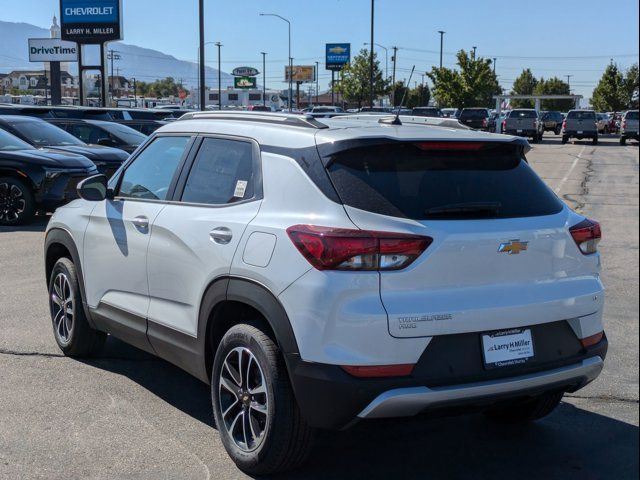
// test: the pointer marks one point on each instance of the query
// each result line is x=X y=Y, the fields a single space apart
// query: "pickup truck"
x=580 y=124
x=524 y=122
x=629 y=126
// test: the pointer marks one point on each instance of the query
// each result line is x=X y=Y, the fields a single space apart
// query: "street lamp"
x=441 y=32
x=264 y=78
x=201 y=53
x=219 y=45
x=290 y=58
x=371 y=94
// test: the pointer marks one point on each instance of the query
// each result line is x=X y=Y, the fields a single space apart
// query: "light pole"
x=569 y=82
x=441 y=32
x=201 y=54
x=290 y=58
x=219 y=45
x=393 y=82
x=494 y=65
x=371 y=94
x=474 y=51
x=317 y=84
x=264 y=78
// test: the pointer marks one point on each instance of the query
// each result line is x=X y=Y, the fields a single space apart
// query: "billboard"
x=244 y=72
x=301 y=73
x=91 y=21
x=245 y=82
x=52 y=50
x=337 y=55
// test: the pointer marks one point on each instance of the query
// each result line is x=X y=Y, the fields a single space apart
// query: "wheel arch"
x=241 y=297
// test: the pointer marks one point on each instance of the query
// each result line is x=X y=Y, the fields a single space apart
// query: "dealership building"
x=239 y=97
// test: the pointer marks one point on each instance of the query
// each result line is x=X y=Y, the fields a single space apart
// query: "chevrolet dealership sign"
x=91 y=21
x=52 y=50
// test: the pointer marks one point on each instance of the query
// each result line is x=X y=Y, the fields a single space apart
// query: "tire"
x=594 y=141
x=17 y=205
x=526 y=411
x=72 y=332
x=565 y=139
x=557 y=131
x=623 y=141
x=283 y=439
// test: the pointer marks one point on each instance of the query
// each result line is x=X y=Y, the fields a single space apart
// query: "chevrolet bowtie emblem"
x=513 y=247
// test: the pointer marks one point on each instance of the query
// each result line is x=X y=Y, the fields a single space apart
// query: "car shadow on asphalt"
x=570 y=444
x=39 y=224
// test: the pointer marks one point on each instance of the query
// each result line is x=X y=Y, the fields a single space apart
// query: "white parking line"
x=573 y=165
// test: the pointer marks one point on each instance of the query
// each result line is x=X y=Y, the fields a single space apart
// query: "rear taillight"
x=356 y=250
x=427 y=146
x=592 y=340
x=504 y=124
x=564 y=125
x=587 y=235
x=624 y=124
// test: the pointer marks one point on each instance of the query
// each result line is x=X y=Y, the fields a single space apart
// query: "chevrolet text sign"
x=52 y=50
x=91 y=21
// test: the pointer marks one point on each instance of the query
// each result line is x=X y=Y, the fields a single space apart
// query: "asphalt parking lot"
x=129 y=415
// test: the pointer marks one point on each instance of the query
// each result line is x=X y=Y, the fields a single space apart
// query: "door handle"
x=221 y=235
x=141 y=222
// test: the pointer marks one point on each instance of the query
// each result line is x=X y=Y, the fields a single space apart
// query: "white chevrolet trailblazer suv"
x=317 y=273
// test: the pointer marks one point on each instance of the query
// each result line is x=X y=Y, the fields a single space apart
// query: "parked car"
x=478 y=119
x=427 y=112
x=441 y=272
x=602 y=120
x=629 y=126
x=258 y=108
x=451 y=112
x=99 y=132
x=580 y=124
x=42 y=134
x=524 y=122
x=552 y=122
x=33 y=179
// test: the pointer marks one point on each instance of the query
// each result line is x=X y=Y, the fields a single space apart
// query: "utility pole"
x=371 y=94
x=112 y=55
x=474 y=51
x=494 y=65
x=219 y=45
x=569 y=82
x=201 y=56
x=393 y=81
x=441 y=32
x=135 y=92
x=422 y=92
x=264 y=78
x=317 y=81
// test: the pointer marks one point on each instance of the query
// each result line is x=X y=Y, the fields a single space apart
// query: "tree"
x=418 y=97
x=525 y=84
x=631 y=86
x=554 y=86
x=400 y=93
x=610 y=93
x=473 y=85
x=354 y=86
x=159 y=88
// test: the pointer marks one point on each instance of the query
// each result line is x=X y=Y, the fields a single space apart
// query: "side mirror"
x=106 y=142
x=94 y=189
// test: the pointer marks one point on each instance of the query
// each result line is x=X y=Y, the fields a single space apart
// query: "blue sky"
x=569 y=37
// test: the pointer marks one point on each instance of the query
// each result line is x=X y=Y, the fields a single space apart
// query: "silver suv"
x=320 y=273
x=580 y=124
x=629 y=126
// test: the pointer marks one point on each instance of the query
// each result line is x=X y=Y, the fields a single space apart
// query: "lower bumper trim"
x=404 y=402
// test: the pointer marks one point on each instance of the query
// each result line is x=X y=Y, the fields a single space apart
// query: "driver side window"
x=151 y=173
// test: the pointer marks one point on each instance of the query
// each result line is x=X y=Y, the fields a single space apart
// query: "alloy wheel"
x=243 y=399
x=62 y=308
x=12 y=202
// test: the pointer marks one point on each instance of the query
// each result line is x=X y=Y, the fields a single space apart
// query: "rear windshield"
x=404 y=180
x=474 y=114
x=632 y=116
x=581 y=115
x=523 y=114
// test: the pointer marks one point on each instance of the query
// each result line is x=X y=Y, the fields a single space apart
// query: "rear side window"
x=523 y=114
x=222 y=173
x=581 y=115
x=405 y=180
x=632 y=116
x=152 y=172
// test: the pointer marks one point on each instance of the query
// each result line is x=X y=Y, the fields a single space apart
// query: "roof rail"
x=277 y=118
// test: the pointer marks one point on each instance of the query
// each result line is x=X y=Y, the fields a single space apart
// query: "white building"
x=238 y=98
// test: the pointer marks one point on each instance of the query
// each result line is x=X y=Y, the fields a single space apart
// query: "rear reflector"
x=343 y=249
x=466 y=146
x=592 y=340
x=587 y=235
x=377 y=371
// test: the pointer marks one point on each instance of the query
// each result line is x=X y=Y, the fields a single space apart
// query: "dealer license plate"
x=507 y=347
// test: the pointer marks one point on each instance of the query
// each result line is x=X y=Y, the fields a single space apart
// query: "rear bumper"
x=329 y=398
x=584 y=134
x=523 y=133
x=404 y=402
x=627 y=134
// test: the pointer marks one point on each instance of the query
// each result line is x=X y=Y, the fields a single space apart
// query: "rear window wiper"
x=465 y=208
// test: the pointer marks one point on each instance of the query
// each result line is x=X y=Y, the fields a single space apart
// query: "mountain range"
x=145 y=64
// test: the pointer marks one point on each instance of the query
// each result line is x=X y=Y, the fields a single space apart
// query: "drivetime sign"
x=91 y=21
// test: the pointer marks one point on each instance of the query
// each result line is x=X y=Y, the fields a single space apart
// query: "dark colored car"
x=478 y=119
x=100 y=132
x=427 y=112
x=552 y=122
x=41 y=134
x=33 y=179
x=146 y=127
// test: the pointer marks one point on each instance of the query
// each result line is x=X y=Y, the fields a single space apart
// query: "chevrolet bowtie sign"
x=91 y=21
